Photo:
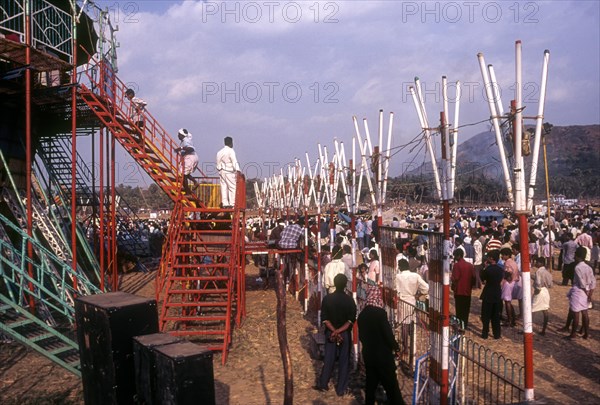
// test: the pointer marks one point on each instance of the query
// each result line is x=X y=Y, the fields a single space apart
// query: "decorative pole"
x=522 y=213
x=495 y=121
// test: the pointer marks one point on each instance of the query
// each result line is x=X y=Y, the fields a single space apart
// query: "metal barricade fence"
x=483 y=376
x=477 y=374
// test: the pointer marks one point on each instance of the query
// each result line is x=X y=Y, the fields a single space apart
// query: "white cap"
x=185 y=133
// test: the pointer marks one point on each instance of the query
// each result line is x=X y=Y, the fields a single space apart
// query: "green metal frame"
x=82 y=240
x=50 y=279
x=46 y=331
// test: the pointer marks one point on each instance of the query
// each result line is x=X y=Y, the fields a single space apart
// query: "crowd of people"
x=486 y=261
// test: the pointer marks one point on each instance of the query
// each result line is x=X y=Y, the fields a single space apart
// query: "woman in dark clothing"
x=378 y=347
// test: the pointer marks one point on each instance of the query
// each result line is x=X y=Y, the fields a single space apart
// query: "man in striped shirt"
x=494 y=243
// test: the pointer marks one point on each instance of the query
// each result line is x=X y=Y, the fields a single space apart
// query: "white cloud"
x=367 y=57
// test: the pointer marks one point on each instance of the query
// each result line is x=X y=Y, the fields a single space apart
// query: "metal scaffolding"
x=58 y=77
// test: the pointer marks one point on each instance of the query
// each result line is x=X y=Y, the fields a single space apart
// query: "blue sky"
x=280 y=77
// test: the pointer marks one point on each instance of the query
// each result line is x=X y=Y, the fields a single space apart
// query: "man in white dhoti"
x=580 y=295
x=541 y=297
x=228 y=166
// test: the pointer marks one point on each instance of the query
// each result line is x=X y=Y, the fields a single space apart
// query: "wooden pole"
x=284 y=349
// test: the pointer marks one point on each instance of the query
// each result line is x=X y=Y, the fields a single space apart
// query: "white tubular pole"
x=353 y=174
x=538 y=130
x=324 y=168
x=357 y=138
x=455 y=140
x=425 y=128
x=380 y=165
x=520 y=203
x=360 y=176
x=318 y=196
x=368 y=135
x=290 y=188
x=322 y=182
x=445 y=157
x=421 y=100
x=367 y=172
x=283 y=201
x=310 y=176
x=387 y=157
x=445 y=96
x=313 y=186
x=257 y=193
x=343 y=175
x=302 y=196
x=494 y=117
x=336 y=179
x=496 y=90
x=446 y=134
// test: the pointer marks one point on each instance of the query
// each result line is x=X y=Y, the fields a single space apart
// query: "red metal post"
x=28 y=157
x=74 y=156
x=102 y=230
x=527 y=321
x=113 y=215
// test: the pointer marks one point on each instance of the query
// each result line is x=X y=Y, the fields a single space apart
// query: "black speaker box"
x=184 y=375
x=106 y=325
x=145 y=364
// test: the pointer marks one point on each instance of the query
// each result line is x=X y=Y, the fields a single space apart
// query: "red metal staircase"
x=150 y=146
x=202 y=286
x=200 y=281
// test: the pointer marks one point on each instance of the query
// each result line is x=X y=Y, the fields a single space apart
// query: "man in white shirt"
x=228 y=166
x=409 y=285
x=189 y=158
x=478 y=260
x=333 y=268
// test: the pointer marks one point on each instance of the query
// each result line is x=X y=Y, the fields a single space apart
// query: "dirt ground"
x=566 y=372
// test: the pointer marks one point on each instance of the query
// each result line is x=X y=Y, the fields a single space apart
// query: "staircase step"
x=198 y=278
x=60 y=350
x=19 y=324
x=40 y=337
x=198 y=318
x=199 y=304
x=200 y=292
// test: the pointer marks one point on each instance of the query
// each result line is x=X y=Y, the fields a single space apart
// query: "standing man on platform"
x=188 y=156
x=228 y=166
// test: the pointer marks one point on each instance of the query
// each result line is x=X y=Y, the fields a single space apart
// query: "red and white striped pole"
x=522 y=213
x=446 y=266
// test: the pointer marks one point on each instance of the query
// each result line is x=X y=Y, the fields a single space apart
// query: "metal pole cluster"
x=522 y=199
x=445 y=184
x=330 y=182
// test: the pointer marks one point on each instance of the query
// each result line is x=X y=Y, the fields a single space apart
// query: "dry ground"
x=566 y=372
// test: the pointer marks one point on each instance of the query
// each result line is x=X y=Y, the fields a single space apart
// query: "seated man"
x=290 y=240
